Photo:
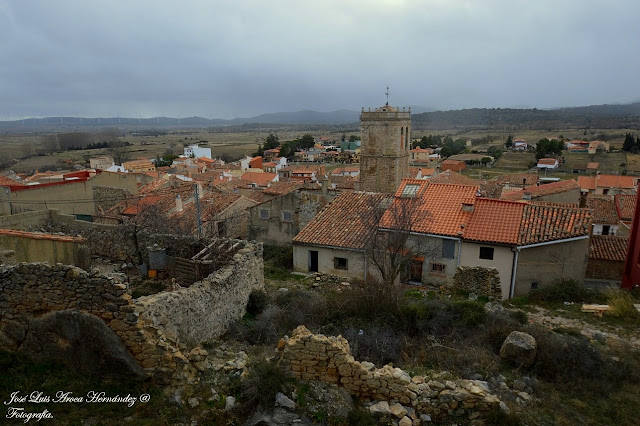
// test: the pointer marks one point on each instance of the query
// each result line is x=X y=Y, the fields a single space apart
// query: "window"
x=221 y=228
x=448 y=249
x=264 y=214
x=605 y=191
x=287 y=217
x=486 y=253
x=410 y=190
x=605 y=229
x=534 y=285
x=438 y=268
x=340 y=263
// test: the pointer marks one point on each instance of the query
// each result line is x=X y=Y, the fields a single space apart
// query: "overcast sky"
x=238 y=58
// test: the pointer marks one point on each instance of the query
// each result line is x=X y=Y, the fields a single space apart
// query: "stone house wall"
x=479 y=280
x=328 y=359
x=157 y=330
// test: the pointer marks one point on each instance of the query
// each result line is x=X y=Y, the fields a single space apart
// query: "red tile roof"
x=542 y=190
x=614 y=181
x=547 y=161
x=495 y=221
x=5 y=181
x=440 y=210
x=587 y=183
x=603 y=209
x=543 y=224
x=345 y=222
x=608 y=247
x=282 y=188
x=260 y=179
x=592 y=165
x=625 y=206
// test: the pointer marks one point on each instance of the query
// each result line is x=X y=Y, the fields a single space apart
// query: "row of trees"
x=631 y=144
x=287 y=149
x=546 y=147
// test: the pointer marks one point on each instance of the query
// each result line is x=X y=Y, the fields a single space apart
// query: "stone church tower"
x=384 y=150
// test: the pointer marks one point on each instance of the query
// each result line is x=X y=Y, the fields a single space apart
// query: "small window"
x=287 y=217
x=486 y=253
x=534 y=285
x=438 y=268
x=448 y=249
x=340 y=263
x=410 y=190
x=264 y=214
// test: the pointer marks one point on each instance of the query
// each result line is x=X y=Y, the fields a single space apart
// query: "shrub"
x=258 y=301
x=566 y=290
x=621 y=305
x=380 y=345
x=278 y=256
x=264 y=381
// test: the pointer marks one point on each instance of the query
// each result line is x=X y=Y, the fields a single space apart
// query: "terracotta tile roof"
x=413 y=172
x=260 y=179
x=587 y=183
x=614 y=181
x=452 y=163
x=495 y=221
x=451 y=177
x=428 y=172
x=344 y=182
x=491 y=189
x=440 y=210
x=42 y=236
x=547 y=161
x=345 y=222
x=542 y=190
x=608 y=247
x=282 y=188
x=603 y=209
x=542 y=224
x=550 y=204
x=592 y=165
x=625 y=206
x=5 y=181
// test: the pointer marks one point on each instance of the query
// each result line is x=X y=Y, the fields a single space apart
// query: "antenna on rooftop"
x=387 y=93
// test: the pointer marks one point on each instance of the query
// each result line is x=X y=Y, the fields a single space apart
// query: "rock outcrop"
x=519 y=348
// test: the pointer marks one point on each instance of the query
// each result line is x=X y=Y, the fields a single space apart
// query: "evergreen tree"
x=509 y=141
x=629 y=142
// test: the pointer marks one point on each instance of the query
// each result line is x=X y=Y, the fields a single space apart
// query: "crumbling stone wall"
x=105 y=197
x=328 y=359
x=157 y=330
x=479 y=280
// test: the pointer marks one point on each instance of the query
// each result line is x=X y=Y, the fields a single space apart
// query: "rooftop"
x=625 y=206
x=42 y=236
x=603 y=209
x=345 y=222
x=608 y=247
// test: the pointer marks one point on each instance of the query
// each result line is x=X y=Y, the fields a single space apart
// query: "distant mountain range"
x=594 y=116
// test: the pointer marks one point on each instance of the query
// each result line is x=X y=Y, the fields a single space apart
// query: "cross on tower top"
x=387 y=93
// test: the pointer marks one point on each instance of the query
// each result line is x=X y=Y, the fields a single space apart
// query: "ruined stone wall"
x=157 y=330
x=205 y=310
x=328 y=359
x=25 y=221
x=479 y=280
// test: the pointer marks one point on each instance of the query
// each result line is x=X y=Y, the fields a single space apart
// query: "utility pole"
x=199 y=218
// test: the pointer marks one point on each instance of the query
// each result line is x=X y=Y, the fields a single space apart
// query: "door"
x=605 y=229
x=416 y=271
x=313 y=261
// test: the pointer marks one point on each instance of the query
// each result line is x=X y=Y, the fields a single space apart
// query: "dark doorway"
x=416 y=271
x=313 y=261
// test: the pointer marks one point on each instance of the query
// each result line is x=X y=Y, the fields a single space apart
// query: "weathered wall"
x=479 y=280
x=571 y=196
x=274 y=230
x=605 y=269
x=355 y=261
x=37 y=247
x=502 y=261
x=384 y=157
x=328 y=359
x=25 y=221
x=431 y=249
x=549 y=263
x=156 y=329
x=105 y=197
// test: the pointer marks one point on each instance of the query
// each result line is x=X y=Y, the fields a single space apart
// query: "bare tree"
x=118 y=151
x=49 y=144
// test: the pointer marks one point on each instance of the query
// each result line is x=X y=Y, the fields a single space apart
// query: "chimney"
x=325 y=185
x=467 y=207
x=178 y=203
x=524 y=183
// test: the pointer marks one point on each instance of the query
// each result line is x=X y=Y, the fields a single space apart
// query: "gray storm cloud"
x=232 y=59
